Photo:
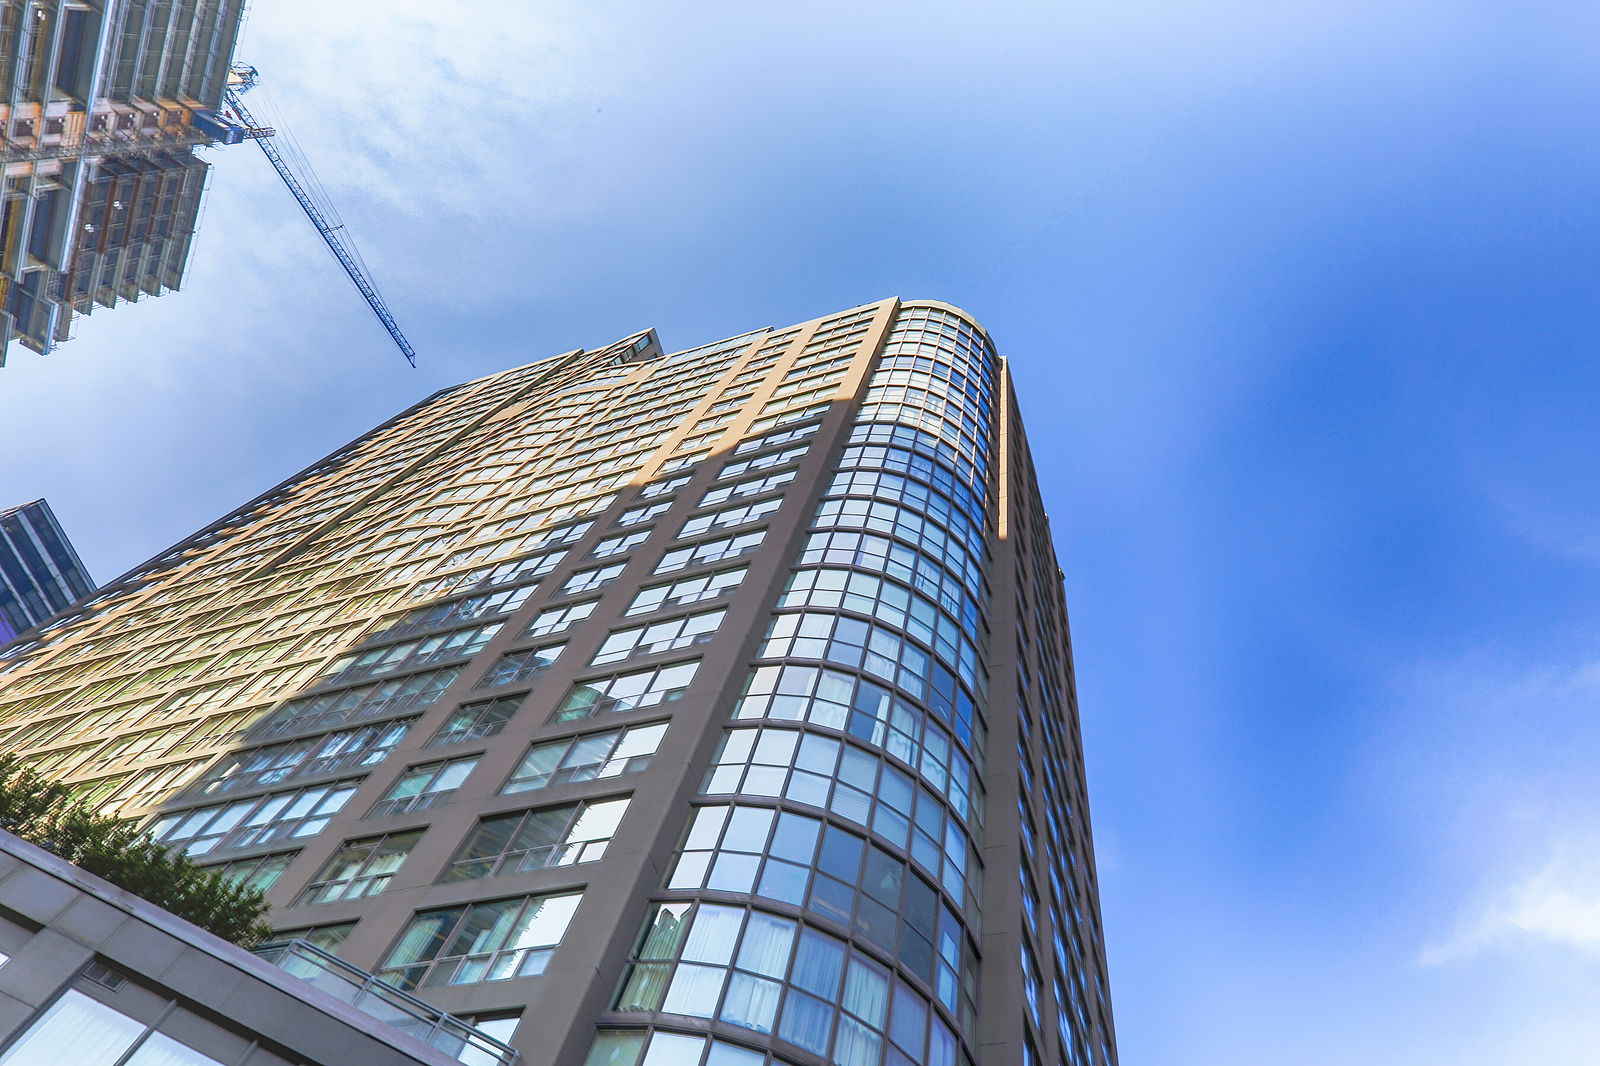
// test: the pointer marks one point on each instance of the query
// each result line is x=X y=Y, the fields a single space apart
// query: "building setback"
x=91 y=975
x=687 y=710
x=102 y=103
x=40 y=573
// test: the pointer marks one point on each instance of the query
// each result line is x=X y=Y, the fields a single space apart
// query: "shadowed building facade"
x=687 y=709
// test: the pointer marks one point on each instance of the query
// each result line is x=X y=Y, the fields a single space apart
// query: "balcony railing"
x=382 y=1000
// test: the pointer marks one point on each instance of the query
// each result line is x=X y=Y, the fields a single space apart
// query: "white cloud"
x=1557 y=904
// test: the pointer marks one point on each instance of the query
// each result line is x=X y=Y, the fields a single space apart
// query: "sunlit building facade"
x=711 y=708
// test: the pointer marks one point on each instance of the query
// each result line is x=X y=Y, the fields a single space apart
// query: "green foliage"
x=43 y=812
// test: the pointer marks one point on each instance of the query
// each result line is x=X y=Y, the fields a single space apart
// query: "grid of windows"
x=857 y=785
x=395 y=696
x=409 y=655
x=834 y=874
x=588 y=757
x=772 y=974
x=257 y=820
x=911 y=613
x=362 y=746
x=850 y=642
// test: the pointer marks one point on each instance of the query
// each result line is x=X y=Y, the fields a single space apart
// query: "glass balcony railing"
x=371 y=995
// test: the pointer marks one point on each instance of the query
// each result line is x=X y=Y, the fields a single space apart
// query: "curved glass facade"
x=855 y=842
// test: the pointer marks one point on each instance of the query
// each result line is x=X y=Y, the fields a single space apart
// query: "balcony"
x=376 y=997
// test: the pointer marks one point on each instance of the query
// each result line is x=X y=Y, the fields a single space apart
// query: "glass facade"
x=40 y=573
x=713 y=707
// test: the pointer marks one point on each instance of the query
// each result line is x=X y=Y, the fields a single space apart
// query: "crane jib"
x=326 y=230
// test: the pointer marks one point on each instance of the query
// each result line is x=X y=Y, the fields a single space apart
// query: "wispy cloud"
x=1557 y=904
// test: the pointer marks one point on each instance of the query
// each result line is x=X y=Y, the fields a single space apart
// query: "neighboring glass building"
x=102 y=103
x=40 y=573
x=703 y=709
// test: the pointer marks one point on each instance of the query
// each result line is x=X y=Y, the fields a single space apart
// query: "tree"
x=44 y=812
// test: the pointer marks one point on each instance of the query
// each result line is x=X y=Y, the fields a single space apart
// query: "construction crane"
x=241 y=79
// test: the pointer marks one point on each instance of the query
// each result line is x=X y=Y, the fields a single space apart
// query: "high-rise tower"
x=40 y=572
x=687 y=710
x=101 y=105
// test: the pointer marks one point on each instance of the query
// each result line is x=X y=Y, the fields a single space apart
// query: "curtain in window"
x=97 y=1035
x=694 y=990
x=715 y=931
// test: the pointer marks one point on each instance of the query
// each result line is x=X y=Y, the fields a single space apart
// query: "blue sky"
x=1302 y=300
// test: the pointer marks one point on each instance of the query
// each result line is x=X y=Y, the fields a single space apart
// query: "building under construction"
x=102 y=103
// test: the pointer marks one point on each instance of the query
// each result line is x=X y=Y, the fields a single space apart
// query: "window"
x=362 y=746
x=686 y=591
x=424 y=786
x=729 y=517
x=408 y=655
x=326 y=937
x=97 y=1035
x=471 y=609
x=617 y=545
x=493 y=941
x=361 y=868
x=587 y=757
x=516 y=666
x=367 y=701
x=495 y=1026
x=635 y=515
x=753 y=487
x=474 y=721
x=710 y=551
x=626 y=692
x=259 y=873
x=622 y=1047
x=661 y=488
x=258 y=820
x=657 y=637
x=589 y=580
x=533 y=840
x=772 y=440
x=555 y=619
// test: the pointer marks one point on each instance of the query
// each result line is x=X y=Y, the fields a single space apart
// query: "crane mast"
x=242 y=79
